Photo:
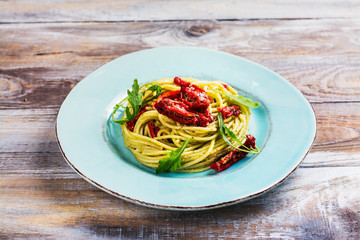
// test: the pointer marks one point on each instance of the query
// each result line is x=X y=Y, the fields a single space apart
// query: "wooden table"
x=47 y=47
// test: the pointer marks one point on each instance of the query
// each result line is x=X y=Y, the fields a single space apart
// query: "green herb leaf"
x=154 y=88
x=135 y=100
x=173 y=162
x=117 y=106
x=242 y=100
x=224 y=129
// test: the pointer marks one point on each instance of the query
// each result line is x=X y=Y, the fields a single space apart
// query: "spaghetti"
x=153 y=134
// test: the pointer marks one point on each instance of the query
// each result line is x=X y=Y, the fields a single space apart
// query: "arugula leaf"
x=154 y=88
x=173 y=162
x=224 y=128
x=135 y=100
x=242 y=100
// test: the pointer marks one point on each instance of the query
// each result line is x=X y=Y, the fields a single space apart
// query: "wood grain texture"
x=57 y=200
x=47 y=47
x=150 y=10
x=320 y=199
x=41 y=63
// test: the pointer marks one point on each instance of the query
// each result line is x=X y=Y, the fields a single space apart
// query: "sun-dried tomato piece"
x=192 y=95
x=153 y=129
x=131 y=124
x=229 y=111
x=233 y=156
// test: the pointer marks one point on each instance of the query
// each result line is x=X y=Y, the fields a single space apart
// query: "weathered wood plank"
x=50 y=165
x=317 y=203
x=338 y=127
x=33 y=130
x=145 y=10
x=40 y=63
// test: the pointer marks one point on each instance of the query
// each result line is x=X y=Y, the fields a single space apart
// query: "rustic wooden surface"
x=47 y=47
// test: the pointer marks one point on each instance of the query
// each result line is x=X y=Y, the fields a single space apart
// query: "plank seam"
x=4 y=108
x=185 y=20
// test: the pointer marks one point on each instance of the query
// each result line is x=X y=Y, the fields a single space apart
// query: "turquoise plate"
x=284 y=127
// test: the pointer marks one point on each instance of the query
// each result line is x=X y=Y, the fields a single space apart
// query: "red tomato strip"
x=153 y=129
x=233 y=156
x=229 y=111
x=131 y=124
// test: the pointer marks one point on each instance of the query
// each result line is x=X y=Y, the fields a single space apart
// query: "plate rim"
x=189 y=208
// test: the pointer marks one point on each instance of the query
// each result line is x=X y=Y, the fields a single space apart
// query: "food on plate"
x=186 y=125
